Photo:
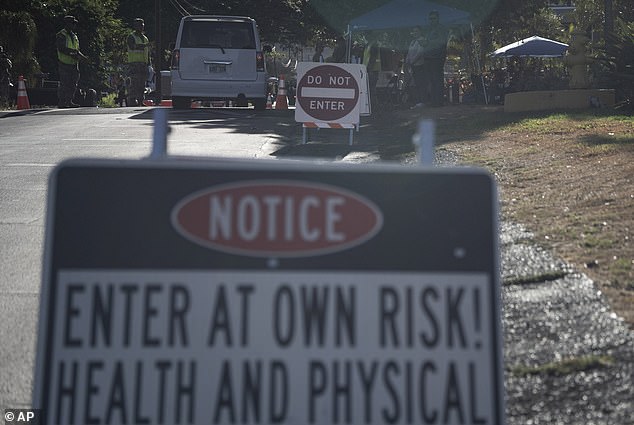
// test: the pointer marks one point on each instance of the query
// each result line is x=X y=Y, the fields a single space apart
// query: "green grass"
x=623 y=265
x=597 y=242
x=556 y=122
x=565 y=367
x=108 y=101
x=536 y=278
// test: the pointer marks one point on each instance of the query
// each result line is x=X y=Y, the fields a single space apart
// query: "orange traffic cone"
x=281 y=102
x=23 y=98
x=269 y=102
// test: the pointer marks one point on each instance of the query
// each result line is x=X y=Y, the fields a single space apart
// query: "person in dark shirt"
x=435 y=54
x=319 y=53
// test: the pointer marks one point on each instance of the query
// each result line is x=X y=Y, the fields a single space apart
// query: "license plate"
x=215 y=68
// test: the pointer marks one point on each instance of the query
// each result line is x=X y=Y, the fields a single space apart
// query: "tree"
x=27 y=27
x=284 y=22
x=34 y=49
x=18 y=35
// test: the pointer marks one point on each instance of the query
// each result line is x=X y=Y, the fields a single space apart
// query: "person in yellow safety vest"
x=372 y=61
x=68 y=56
x=138 y=62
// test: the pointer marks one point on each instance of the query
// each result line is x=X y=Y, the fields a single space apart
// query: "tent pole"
x=477 y=56
x=349 y=45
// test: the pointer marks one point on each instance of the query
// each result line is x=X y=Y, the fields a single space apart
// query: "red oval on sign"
x=277 y=218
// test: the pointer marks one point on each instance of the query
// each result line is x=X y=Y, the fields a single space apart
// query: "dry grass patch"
x=569 y=177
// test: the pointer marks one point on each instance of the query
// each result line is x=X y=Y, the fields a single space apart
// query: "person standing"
x=434 y=56
x=319 y=53
x=339 y=52
x=372 y=61
x=138 y=62
x=68 y=56
x=415 y=62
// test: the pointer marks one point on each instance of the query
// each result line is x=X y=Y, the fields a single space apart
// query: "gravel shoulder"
x=569 y=358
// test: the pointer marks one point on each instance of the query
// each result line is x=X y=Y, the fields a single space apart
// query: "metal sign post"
x=424 y=141
x=161 y=129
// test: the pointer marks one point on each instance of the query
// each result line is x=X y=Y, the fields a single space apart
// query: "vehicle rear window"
x=225 y=35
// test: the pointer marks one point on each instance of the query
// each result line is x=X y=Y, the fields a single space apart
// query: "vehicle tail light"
x=176 y=58
x=259 y=62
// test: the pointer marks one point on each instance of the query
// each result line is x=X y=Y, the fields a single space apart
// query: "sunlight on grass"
x=566 y=367
x=564 y=122
x=108 y=101
x=601 y=122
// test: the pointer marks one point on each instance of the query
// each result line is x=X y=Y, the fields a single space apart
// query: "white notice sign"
x=271 y=347
x=269 y=292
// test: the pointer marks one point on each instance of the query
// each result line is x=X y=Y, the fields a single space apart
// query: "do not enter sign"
x=328 y=93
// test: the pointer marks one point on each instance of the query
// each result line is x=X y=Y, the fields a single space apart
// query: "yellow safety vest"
x=376 y=65
x=140 y=55
x=72 y=42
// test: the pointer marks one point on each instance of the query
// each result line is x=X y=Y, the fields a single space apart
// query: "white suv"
x=218 y=58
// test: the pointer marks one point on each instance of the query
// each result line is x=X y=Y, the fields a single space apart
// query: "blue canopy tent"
x=535 y=46
x=406 y=13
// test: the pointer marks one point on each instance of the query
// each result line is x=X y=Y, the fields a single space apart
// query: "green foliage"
x=18 y=35
x=108 y=101
x=623 y=58
x=336 y=14
x=615 y=66
x=588 y=15
x=30 y=35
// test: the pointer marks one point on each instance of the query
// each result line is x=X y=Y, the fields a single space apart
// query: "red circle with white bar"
x=327 y=93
